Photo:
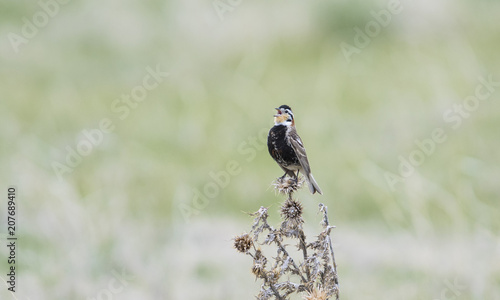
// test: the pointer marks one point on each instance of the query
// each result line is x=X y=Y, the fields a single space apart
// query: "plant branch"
x=303 y=245
x=282 y=248
x=276 y=293
x=324 y=209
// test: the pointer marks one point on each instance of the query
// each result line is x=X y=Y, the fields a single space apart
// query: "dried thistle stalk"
x=315 y=276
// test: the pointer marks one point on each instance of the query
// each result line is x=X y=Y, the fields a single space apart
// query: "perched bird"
x=286 y=148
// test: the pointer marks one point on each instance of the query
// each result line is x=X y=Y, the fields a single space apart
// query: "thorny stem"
x=273 y=288
x=293 y=264
x=302 y=239
x=324 y=209
x=283 y=249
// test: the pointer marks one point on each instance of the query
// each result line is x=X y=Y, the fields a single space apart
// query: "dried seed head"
x=288 y=185
x=258 y=254
x=291 y=212
x=243 y=243
x=258 y=270
x=259 y=264
x=274 y=275
x=291 y=209
x=316 y=295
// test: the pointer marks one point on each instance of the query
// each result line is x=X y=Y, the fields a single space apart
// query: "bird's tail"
x=313 y=185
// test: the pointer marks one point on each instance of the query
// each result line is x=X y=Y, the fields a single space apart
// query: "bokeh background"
x=128 y=222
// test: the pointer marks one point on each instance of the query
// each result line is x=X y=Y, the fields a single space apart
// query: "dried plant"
x=315 y=276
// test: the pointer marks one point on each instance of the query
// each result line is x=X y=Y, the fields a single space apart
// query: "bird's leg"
x=291 y=174
x=296 y=176
x=283 y=177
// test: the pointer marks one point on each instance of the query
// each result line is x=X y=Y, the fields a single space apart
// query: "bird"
x=287 y=149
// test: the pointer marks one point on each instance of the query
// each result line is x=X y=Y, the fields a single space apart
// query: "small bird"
x=286 y=148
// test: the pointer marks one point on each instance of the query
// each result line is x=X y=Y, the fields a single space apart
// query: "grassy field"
x=135 y=135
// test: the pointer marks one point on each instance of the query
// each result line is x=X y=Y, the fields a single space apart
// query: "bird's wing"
x=300 y=151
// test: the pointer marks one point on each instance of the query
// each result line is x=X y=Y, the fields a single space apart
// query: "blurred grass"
x=120 y=206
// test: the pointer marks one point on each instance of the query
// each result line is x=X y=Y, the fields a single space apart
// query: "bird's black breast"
x=279 y=148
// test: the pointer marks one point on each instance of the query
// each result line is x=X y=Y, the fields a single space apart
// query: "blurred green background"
x=127 y=221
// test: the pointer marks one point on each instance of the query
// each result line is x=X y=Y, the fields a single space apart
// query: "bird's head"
x=284 y=116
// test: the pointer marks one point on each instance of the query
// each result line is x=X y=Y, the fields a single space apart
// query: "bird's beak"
x=279 y=112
